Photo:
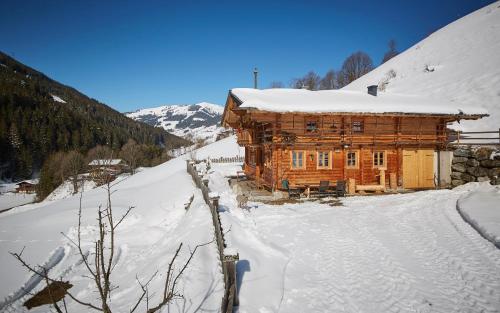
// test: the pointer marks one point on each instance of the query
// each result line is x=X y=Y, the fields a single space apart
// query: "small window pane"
x=297 y=159
x=357 y=127
x=378 y=158
x=351 y=159
x=323 y=159
x=311 y=126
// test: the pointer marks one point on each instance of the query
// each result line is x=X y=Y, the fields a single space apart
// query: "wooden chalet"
x=104 y=170
x=370 y=140
x=27 y=186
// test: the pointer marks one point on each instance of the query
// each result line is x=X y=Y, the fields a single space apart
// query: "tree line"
x=64 y=166
x=33 y=126
x=354 y=66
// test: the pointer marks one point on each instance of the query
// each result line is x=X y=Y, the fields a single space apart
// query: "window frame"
x=330 y=160
x=361 y=126
x=384 y=159
x=304 y=157
x=356 y=156
x=311 y=130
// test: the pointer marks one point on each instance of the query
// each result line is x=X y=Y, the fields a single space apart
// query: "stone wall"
x=475 y=165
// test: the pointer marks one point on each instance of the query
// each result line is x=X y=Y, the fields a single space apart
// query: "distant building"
x=105 y=170
x=27 y=186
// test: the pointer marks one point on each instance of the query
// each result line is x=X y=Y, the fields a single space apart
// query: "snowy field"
x=146 y=240
x=11 y=199
x=481 y=208
x=394 y=253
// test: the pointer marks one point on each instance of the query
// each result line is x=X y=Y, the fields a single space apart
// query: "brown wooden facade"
x=26 y=187
x=306 y=148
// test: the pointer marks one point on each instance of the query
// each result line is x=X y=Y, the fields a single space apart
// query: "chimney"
x=255 y=72
x=372 y=90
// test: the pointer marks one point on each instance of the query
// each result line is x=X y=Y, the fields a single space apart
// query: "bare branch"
x=144 y=288
x=33 y=270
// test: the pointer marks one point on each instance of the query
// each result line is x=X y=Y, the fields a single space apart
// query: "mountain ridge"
x=64 y=119
x=197 y=121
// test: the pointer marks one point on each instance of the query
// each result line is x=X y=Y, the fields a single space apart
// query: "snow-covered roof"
x=101 y=162
x=29 y=181
x=344 y=101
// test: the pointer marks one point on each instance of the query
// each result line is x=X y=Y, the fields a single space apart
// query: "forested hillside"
x=39 y=116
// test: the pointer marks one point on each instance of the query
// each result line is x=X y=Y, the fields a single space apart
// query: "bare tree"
x=309 y=81
x=276 y=84
x=73 y=164
x=100 y=263
x=392 y=52
x=99 y=153
x=132 y=154
x=355 y=66
x=329 y=81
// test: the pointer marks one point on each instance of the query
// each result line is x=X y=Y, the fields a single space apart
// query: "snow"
x=480 y=208
x=11 y=199
x=465 y=62
x=343 y=101
x=391 y=253
x=57 y=99
x=30 y=181
x=146 y=240
x=169 y=116
x=106 y=162
x=65 y=190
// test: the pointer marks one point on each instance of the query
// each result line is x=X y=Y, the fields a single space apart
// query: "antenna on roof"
x=255 y=72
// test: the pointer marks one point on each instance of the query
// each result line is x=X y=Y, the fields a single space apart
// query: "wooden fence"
x=234 y=159
x=475 y=138
x=228 y=261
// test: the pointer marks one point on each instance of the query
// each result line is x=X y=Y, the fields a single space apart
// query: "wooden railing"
x=473 y=138
x=228 y=260
x=235 y=159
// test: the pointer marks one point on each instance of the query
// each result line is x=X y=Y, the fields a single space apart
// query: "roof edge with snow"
x=347 y=102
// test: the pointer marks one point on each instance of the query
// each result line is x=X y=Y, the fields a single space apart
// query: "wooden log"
x=382 y=177
x=393 y=183
x=351 y=186
x=370 y=188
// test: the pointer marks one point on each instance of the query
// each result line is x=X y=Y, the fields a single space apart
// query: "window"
x=335 y=126
x=324 y=160
x=311 y=126
x=357 y=127
x=352 y=159
x=378 y=159
x=298 y=159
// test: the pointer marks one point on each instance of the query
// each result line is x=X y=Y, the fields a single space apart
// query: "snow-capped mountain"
x=198 y=121
x=460 y=63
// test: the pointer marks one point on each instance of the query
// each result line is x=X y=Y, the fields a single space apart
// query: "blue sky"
x=140 y=54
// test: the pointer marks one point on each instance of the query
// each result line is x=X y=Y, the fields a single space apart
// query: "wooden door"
x=418 y=168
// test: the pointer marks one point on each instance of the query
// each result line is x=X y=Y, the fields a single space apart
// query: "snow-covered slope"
x=146 y=240
x=199 y=120
x=459 y=63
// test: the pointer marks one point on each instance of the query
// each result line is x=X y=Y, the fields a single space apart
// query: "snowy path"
x=399 y=253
